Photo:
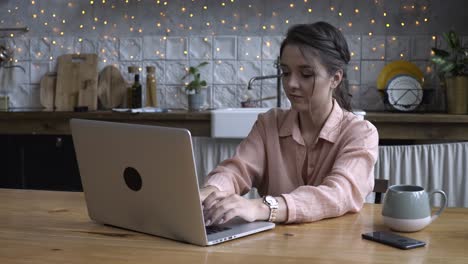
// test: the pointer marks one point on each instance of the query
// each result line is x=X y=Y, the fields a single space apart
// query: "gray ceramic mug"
x=407 y=208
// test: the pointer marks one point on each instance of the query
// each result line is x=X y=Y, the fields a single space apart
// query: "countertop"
x=397 y=126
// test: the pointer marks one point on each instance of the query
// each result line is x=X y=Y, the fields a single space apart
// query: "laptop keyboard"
x=215 y=229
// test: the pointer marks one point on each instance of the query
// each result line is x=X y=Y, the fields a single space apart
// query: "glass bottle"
x=136 y=92
x=131 y=72
x=151 y=96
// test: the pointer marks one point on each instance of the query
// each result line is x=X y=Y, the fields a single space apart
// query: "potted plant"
x=452 y=65
x=194 y=87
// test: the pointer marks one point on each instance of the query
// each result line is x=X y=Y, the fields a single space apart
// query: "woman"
x=313 y=161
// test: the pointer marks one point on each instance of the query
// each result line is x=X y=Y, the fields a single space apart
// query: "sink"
x=237 y=122
x=234 y=122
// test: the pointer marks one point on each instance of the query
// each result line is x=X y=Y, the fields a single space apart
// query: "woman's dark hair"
x=329 y=44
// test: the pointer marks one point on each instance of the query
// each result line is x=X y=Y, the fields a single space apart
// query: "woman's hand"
x=220 y=207
x=204 y=192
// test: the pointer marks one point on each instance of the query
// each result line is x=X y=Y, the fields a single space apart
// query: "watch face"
x=270 y=200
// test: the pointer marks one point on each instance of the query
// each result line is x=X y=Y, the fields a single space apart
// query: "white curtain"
x=434 y=166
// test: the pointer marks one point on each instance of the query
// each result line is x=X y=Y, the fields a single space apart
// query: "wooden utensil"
x=111 y=87
x=76 y=82
x=47 y=90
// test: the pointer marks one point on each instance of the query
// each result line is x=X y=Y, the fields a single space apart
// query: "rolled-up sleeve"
x=345 y=188
x=245 y=169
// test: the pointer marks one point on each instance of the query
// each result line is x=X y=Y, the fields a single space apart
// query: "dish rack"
x=427 y=99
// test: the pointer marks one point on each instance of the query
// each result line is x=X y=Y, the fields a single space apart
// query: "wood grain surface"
x=77 y=78
x=53 y=227
x=112 y=87
x=47 y=90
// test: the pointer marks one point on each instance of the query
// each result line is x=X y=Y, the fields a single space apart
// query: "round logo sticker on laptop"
x=132 y=178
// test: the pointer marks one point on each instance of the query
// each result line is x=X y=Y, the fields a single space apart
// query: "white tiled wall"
x=239 y=42
x=233 y=60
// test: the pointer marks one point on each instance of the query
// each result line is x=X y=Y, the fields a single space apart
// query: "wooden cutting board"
x=111 y=87
x=76 y=82
x=47 y=90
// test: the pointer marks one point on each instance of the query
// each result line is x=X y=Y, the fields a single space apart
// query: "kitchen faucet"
x=278 y=86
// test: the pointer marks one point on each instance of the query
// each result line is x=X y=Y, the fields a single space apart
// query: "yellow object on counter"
x=151 y=96
x=4 y=101
x=396 y=68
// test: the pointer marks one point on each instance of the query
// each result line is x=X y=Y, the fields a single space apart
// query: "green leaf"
x=192 y=70
x=440 y=52
x=202 y=64
x=438 y=60
x=453 y=40
x=449 y=66
x=203 y=83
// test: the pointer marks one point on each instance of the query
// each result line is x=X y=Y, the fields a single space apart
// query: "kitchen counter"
x=57 y=123
x=391 y=126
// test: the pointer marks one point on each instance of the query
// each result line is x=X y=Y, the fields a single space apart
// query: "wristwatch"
x=271 y=202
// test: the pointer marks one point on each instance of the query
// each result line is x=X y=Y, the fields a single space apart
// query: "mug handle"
x=444 y=204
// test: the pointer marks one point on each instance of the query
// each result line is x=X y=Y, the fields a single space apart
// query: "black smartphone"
x=394 y=240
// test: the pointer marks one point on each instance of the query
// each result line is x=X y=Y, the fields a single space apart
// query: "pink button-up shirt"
x=328 y=179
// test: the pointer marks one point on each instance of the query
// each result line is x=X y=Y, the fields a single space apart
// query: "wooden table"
x=53 y=227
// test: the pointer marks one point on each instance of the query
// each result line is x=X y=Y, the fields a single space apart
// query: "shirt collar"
x=330 y=130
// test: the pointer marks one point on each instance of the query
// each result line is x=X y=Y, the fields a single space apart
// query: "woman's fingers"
x=213 y=198
x=217 y=213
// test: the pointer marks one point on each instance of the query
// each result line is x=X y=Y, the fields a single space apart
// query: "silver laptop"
x=143 y=178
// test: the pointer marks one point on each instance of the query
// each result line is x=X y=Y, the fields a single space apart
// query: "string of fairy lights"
x=189 y=13
x=193 y=10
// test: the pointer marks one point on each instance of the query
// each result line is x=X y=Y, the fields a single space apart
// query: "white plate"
x=404 y=93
